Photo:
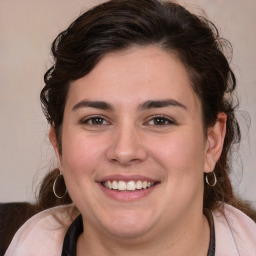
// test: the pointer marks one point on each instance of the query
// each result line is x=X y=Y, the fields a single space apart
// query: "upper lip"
x=126 y=178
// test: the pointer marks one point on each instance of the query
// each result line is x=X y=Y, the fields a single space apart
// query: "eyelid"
x=86 y=120
x=170 y=120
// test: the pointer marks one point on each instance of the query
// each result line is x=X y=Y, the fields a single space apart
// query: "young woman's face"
x=133 y=145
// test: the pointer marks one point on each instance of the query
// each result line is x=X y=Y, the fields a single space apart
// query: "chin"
x=129 y=226
x=128 y=233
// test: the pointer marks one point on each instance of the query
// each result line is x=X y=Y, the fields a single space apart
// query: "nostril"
x=126 y=145
x=125 y=161
x=126 y=157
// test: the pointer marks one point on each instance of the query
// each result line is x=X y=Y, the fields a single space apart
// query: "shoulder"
x=235 y=232
x=43 y=234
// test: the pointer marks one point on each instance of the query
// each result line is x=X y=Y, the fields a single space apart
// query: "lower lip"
x=127 y=195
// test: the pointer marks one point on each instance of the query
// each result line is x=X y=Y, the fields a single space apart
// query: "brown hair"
x=120 y=24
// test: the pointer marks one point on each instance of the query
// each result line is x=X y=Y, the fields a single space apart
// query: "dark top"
x=76 y=228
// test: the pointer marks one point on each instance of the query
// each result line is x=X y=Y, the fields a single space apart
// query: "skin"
x=128 y=139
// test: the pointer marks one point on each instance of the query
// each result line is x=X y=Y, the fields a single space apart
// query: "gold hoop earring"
x=215 y=179
x=54 y=185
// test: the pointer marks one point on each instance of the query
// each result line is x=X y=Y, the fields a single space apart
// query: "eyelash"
x=91 y=119
x=164 y=121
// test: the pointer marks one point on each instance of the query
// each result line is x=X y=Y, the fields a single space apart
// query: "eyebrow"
x=93 y=104
x=161 y=104
x=145 y=105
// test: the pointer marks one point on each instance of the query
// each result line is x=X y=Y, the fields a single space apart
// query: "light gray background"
x=27 y=29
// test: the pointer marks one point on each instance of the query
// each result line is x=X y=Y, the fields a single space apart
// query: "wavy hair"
x=120 y=24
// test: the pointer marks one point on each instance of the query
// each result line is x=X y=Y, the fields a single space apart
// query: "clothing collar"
x=76 y=228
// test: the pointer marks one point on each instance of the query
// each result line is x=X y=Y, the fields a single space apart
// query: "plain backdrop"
x=27 y=28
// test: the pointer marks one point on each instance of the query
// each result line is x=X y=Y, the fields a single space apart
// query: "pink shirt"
x=43 y=234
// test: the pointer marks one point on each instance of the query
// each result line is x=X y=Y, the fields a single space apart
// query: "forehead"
x=135 y=74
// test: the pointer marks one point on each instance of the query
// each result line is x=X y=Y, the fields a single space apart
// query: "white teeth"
x=150 y=184
x=121 y=185
x=130 y=185
x=145 y=184
x=114 y=185
x=139 y=184
x=109 y=184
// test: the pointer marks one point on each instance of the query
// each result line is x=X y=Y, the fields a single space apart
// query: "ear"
x=214 y=144
x=53 y=140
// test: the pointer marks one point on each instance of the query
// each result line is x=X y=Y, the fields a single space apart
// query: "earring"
x=54 y=185
x=215 y=179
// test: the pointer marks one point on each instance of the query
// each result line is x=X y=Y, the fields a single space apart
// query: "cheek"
x=80 y=154
x=180 y=154
x=81 y=157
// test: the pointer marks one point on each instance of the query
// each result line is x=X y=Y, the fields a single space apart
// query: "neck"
x=191 y=237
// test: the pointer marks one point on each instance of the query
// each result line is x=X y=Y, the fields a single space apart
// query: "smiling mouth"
x=130 y=186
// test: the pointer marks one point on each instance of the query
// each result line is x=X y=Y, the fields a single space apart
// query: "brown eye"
x=95 y=121
x=160 y=121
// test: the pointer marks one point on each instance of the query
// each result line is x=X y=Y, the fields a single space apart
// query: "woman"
x=140 y=103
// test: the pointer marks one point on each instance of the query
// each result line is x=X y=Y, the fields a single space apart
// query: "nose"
x=126 y=146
